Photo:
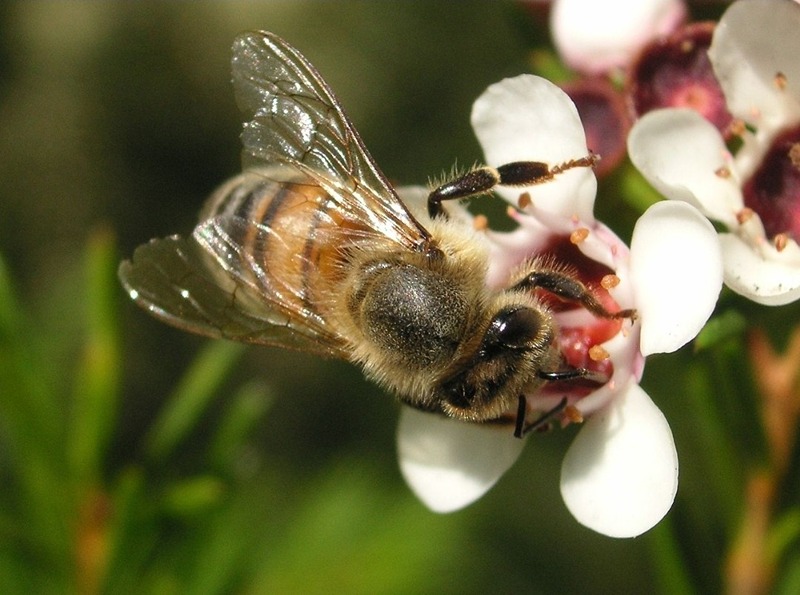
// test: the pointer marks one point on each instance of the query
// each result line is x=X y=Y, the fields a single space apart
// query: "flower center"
x=579 y=342
x=774 y=189
x=676 y=72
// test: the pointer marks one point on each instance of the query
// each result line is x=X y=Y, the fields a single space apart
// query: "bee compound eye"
x=513 y=328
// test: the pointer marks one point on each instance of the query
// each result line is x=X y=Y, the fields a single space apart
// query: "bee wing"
x=293 y=118
x=203 y=284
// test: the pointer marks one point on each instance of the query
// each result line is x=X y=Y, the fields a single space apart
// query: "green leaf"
x=193 y=497
x=728 y=324
x=190 y=400
x=783 y=534
x=247 y=407
x=97 y=385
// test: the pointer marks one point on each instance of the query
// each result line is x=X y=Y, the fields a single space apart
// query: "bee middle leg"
x=484 y=179
x=568 y=288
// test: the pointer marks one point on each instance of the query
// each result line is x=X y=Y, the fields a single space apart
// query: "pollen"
x=737 y=127
x=744 y=215
x=780 y=241
x=598 y=353
x=480 y=223
x=780 y=81
x=722 y=172
x=609 y=281
x=579 y=235
x=572 y=414
x=525 y=200
x=794 y=155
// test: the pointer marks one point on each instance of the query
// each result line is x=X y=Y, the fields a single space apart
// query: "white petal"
x=770 y=281
x=753 y=42
x=620 y=475
x=595 y=37
x=448 y=463
x=676 y=271
x=680 y=153
x=528 y=118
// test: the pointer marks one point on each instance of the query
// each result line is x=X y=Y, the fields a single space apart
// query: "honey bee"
x=310 y=248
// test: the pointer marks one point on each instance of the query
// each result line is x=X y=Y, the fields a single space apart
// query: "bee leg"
x=521 y=428
x=484 y=179
x=573 y=374
x=568 y=288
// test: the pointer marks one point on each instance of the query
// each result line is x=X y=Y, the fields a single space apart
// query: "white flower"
x=620 y=475
x=756 y=193
x=596 y=37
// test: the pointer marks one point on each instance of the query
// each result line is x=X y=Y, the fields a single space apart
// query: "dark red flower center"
x=578 y=345
x=605 y=120
x=676 y=72
x=774 y=189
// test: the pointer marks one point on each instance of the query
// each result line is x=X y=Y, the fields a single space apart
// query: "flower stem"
x=750 y=568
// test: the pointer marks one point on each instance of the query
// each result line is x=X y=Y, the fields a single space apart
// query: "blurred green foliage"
x=137 y=459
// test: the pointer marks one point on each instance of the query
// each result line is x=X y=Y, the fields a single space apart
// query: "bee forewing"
x=293 y=117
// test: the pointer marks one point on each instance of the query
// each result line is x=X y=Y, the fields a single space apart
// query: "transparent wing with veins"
x=293 y=118
x=214 y=282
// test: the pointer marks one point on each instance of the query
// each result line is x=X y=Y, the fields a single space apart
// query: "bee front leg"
x=484 y=179
x=568 y=288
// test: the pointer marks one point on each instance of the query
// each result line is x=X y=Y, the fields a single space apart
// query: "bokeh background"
x=258 y=470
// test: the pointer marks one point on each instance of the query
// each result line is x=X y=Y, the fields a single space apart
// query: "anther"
x=609 y=281
x=572 y=414
x=780 y=81
x=737 y=127
x=744 y=215
x=723 y=172
x=598 y=353
x=579 y=235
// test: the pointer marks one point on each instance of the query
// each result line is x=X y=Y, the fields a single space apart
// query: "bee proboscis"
x=311 y=248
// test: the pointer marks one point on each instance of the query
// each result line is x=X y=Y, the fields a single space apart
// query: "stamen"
x=737 y=127
x=794 y=155
x=572 y=414
x=598 y=353
x=781 y=241
x=579 y=235
x=524 y=200
x=723 y=172
x=609 y=281
x=744 y=215
x=780 y=81
x=480 y=223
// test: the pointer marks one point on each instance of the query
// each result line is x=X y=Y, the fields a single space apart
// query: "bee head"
x=515 y=346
